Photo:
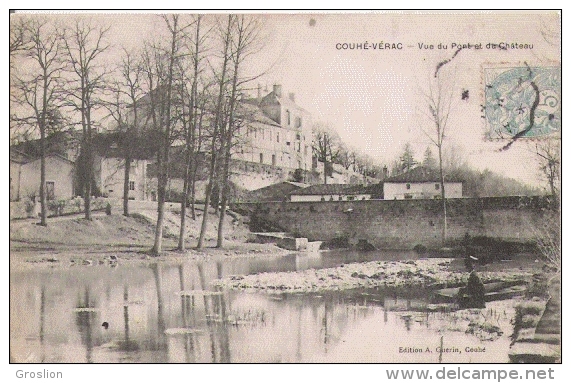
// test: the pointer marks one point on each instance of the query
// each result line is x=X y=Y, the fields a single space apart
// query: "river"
x=170 y=312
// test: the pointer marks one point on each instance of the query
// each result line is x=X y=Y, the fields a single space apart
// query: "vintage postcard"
x=297 y=187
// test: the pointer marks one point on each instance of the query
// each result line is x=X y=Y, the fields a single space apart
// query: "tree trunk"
x=183 y=202
x=217 y=123
x=161 y=192
x=126 y=185
x=193 y=194
x=163 y=155
x=207 y=198
x=87 y=188
x=43 y=199
x=443 y=197
x=89 y=166
x=225 y=190
x=158 y=246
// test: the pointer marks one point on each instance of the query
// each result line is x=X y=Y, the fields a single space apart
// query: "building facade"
x=278 y=133
x=331 y=192
x=110 y=175
x=25 y=177
x=420 y=183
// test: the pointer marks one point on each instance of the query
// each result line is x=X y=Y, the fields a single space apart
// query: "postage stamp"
x=521 y=101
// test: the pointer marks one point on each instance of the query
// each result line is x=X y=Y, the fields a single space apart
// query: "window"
x=298 y=122
x=131 y=185
x=437 y=186
x=288 y=114
x=261 y=158
x=407 y=186
x=278 y=136
x=297 y=136
x=273 y=159
x=50 y=190
x=305 y=150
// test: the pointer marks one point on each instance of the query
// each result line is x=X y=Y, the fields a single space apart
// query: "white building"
x=109 y=177
x=420 y=183
x=331 y=192
x=278 y=132
x=25 y=176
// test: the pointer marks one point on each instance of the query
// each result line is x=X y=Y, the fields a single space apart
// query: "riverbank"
x=108 y=239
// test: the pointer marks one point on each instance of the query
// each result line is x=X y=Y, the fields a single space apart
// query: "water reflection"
x=84 y=318
x=172 y=313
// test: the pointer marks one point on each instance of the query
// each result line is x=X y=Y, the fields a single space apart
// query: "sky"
x=372 y=97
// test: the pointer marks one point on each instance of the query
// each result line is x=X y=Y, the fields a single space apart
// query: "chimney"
x=292 y=96
x=259 y=93
x=278 y=90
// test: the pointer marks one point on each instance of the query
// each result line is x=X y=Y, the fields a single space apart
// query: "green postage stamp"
x=522 y=101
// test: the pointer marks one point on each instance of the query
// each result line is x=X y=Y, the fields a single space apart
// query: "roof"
x=285 y=101
x=253 y=113
x=421 y=174
x=58 y=143
x=345 y=189
x=274 y=192
x=19 y=157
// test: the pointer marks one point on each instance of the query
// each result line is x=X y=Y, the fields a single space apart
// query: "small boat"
x=494 y=291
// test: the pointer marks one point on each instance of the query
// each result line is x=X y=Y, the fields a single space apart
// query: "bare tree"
x=84 y=43
x=438 y=100
x=191 y=120
x=19 y=36
x=326 y=147
x=161 y=67
x=548 y=152
x=222 y=79
x=347 y=156
x=39 y=89
x=245 y=42
x=125 y=111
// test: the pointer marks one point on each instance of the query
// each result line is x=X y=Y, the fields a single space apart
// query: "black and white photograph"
x=285 y=187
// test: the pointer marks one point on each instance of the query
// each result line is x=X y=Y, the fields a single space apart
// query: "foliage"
x=548 y=238
x=298 y=175
x=485 y=183
x=548 y=153
x=428 y=160
x=407 y=160
x=57 y=206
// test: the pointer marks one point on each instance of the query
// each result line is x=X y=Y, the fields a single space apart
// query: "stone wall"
x=403 y=224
